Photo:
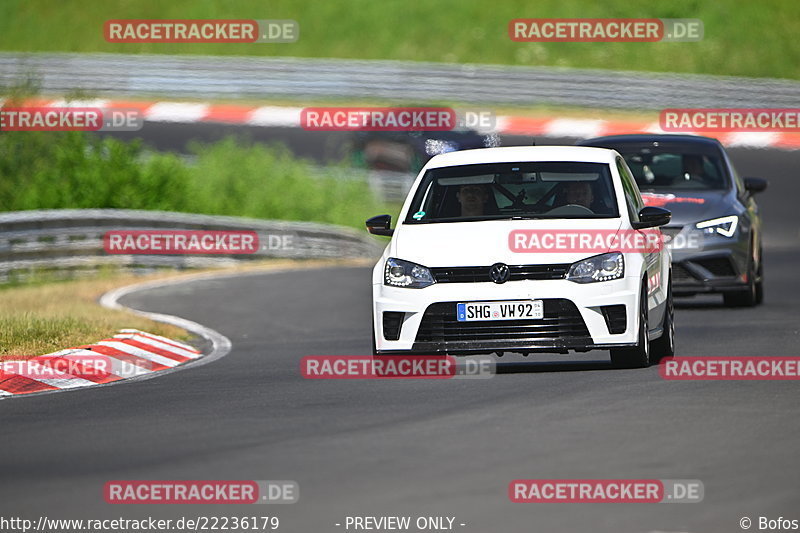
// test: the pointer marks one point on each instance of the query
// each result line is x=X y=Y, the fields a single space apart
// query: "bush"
x=42 y=170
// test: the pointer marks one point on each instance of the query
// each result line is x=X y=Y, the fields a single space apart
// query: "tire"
x=636 y=356
x=760 y=279
x=744 y=298
x=664 y=346
x=374 y=348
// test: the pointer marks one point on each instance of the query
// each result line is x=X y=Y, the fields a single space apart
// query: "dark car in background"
x=715 y=232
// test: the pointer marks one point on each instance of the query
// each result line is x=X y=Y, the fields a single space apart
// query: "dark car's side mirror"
x=755 y=185
x=380 y=225
x=651 y=217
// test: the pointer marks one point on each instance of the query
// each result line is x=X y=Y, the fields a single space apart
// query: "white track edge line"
x=221 y=345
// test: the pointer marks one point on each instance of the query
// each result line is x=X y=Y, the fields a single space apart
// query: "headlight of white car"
x=399 y=273
x=603 y=267
x=725 y=226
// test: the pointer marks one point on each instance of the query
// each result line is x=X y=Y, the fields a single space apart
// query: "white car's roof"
x=508 y=154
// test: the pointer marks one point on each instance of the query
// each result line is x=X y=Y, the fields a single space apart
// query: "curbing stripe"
x=289 y=117
x=131 y=354
x=165 y=340
x=15 y=384
x=59 y=380
x=126 y=358
x=80 y=369
x=174 y=355
x=176 y=112
x=169 y=349
x=139 y=352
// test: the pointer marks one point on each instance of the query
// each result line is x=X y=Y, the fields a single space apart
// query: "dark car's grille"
x=481 y=273
x=718 y=266
x=562 y=327
x=681 y=275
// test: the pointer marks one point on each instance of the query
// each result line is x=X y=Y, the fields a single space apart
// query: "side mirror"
x=380 y=225
x=651 y=217
x=755 y=185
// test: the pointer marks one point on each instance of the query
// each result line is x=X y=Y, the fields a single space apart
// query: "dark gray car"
x=715 y=233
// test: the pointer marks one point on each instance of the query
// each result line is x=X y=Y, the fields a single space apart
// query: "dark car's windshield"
x=674 y=167
x=514 y=190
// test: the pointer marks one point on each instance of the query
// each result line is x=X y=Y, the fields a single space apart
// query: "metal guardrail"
x=263 y=77
x=70 y=241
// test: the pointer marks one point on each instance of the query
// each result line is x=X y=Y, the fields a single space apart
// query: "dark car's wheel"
x=664 y=346
x=635 y=356
x=760 y=279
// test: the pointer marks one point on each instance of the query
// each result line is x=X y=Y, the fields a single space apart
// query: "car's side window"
x=737 y=179
x=633 y=200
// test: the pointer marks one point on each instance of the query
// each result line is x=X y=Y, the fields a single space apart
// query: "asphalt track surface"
x=427 y=448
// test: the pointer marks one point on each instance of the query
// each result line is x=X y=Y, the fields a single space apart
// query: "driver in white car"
x=473 y=200
x=579 y=193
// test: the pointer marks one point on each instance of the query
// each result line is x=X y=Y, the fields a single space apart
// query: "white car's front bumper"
x=563 y=328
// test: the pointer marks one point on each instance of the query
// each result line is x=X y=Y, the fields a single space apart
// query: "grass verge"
x=741 y=38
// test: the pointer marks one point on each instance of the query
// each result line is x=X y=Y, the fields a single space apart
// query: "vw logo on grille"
x=499 y=272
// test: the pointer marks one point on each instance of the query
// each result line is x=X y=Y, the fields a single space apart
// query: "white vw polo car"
x=524 y=249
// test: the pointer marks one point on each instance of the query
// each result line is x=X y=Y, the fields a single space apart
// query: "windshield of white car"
x=495 y=191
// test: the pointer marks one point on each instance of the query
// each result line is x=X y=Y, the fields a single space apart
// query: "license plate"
x=474 y=311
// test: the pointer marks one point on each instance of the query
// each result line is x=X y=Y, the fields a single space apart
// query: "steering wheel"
x=571 y=209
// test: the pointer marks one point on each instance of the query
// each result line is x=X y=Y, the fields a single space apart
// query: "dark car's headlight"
x=603 y=267
x=399 y=273
x=725 y=226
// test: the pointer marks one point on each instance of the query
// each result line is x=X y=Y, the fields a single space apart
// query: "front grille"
x=392 y=322
x=481 y=273
x=562 y=327
x=616 y=318
x=718 y=266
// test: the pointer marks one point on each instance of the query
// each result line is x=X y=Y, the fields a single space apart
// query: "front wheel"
x=760 y=279
x=664 y=346
x=635 y=356
x=744 y=298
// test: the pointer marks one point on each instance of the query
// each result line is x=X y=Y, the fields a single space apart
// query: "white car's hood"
x=487 y=242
